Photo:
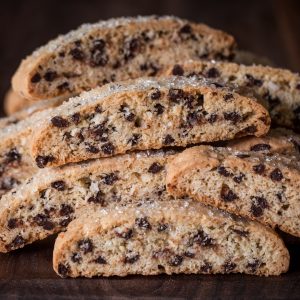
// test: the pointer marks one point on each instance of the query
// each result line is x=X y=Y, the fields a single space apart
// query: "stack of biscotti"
x=102 y=166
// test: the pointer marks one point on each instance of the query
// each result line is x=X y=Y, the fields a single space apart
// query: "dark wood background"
x=268 y=28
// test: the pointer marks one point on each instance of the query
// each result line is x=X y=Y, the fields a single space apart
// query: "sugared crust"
x=278 y=88
x=21 y=82
x=106 y=104
x=94 y=223
x=226 y=164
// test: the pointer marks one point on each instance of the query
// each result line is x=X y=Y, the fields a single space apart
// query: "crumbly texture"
x=13 y=102
x=278 y=87
x=257 y=186
x=31 y=109
x=145 y=114
x=46 y=203
x=16 y=164
x=279 y=140
x=114 y=50
x=167 y=237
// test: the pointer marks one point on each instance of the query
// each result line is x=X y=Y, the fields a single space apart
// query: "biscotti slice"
x=13 y=102
x=167 y=237
x=279 y=140
x=15 y=117
x=278 y=87
x=145 y=114
x=114 y=50
x=46 y=203
x=16 y=163
x=257 y=186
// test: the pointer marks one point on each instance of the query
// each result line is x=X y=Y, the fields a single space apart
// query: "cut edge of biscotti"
x=262 y=187
x=278 y=88
x=90 y=44
x=46 y=203
x=145 y=114
x=179 y=236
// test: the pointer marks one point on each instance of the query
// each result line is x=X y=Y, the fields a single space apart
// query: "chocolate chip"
x=242 y=155
x=108 y=148
x=177 y=70
x=17 y=242
x=76 y=118
x=258 y=205
x=276 y=175
x=58 y=185
x=161 y=268
x=99 y=132
x=76 y=258
x=50 y=75
x=155 y=168
x=130 y=259
x=193 y=118
x=14 y=223
x=228 y=97
x=66 y=210
x=98 y=56
x=273 y=101
x=185 y=29
x=253 y=81
x=130 y=49
x=253 y=265
x=203 y=239
x=63 y=270
x=222 y=171
x=110 y=178
x=162 y=227
x=42 y=161
x=65 y=222
x=239 y=178
x=242 y=233
x=85 y=245
x=159 y=109
x=125 y=234
x=213 y=73
x=212 y=118
x=199 y=99
x=176 y=261
x=155 y=95
x=260 y=147
x=13 y=155
x=229 y=266
x=296 y=120
x=77 y=54
x=143 y=223
x=233 y=116
x=129 y=116
x=227 y=194
x=168 y=140
x=100 y=260
x=206 y=267
x=91 y=148
x=248 y=130
x=63 y=86
x=259 y=169
x=175 y=95
x=43 y=221
x=36 y=78
x=189 y=254
x=134 y=139
x=97 y=199
x=59 y=122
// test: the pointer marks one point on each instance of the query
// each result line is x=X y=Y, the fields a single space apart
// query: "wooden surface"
x=268 y=28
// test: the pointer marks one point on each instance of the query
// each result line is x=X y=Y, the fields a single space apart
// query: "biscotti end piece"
x=170 y=237
x=278 y=88
x=114 y=50
x=145 y=114
x=279 y=140
x=257 y=186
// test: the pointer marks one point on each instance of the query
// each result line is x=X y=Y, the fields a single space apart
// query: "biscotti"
x=279 y=140
x=167 y=237
x=46 y=203
x=16 y=163
x=278 y=87
x=13 y=102
x=114 y=50
x=257 y=186
x=28 y=111
x=145 y=114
